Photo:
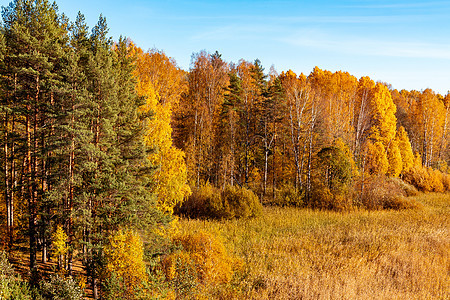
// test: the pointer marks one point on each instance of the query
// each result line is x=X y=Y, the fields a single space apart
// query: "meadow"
x=292 y=253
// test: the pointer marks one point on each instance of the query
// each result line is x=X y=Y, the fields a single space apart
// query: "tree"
x=125 y=264
x=394 y=157
x=363 y=115
x=430 y=117
x=162 y=83
x=336 y=166
x=376 y=161
x=298 y=102
x=384 y=120
x=405 y=149
x=200 y=110
x=35 y=40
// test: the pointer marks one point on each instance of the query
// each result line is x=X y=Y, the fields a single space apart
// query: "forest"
x=124 y=176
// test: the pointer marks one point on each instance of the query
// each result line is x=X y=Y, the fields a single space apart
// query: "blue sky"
x=404 y=43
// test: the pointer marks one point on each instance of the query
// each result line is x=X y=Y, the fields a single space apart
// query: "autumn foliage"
x=97 y=136
x=125 y=264
x=201 y=263
x=229 y=203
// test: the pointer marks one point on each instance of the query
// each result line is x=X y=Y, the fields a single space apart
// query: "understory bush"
x=322 y=197
x=60 y=288
x=210 y=202
x=11 y=285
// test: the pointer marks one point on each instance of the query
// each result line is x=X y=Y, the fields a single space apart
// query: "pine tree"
x=35 y=38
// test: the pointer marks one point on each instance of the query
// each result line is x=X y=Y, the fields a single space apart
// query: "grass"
x=291 y=253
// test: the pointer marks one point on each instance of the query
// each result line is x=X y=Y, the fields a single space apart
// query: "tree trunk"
x=7 y=183
x=31 y=200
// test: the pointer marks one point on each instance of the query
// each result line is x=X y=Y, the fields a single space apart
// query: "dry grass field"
x=290 y=253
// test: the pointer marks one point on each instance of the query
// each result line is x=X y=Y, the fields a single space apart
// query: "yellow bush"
x=427 y=179
x=125 y=262
x=202 y=262
x=446 y=181
x=288 y=195
x=323 y=198
x=210 y=202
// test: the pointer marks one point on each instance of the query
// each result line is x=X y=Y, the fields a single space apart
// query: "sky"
x=403 y=43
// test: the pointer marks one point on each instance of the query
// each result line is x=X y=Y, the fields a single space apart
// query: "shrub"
x=446 y=181
x=288 y=195
x=60 y=288
x=242 y=202
x=408 y=189
x=202 y=263
x=427 y=179
x=381 y=192
x=210 y=202
x=322 y=197
x=11 y=285
x=125 y=267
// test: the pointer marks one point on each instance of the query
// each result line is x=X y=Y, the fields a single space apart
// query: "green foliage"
x=210 y=202
x=60 y=288
x=334 y=173
x=11 y=285
x=335 y=168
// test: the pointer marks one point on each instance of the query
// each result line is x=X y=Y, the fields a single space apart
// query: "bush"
x=381 y=192
x=242 y=202
x=11 y=285
x=408 y=189
x=323 y=198
x=288 y=195
x=210 y=202
x=202 y=263
x=60 y=288
x=427 y=179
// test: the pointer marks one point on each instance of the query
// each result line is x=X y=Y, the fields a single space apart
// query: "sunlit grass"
x=294 y=253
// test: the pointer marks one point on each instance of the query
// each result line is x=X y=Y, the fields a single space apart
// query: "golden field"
x=290 y=253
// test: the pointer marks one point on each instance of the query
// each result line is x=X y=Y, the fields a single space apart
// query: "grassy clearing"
x=293 y=253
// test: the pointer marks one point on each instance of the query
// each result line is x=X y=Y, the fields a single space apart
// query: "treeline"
x=275 y=133
x=101 y=142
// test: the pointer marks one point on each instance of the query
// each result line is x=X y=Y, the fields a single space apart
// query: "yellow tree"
x=385 y=121
x=405 y=149
x=363 y=114
x=394 y=157
x=125 y=263
x=200 y=115
x=430 y=118
x=337 y=91
x=298 y=95
x=377 y=160
x=444 y=151
x=161 y=82
x=383 y=124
